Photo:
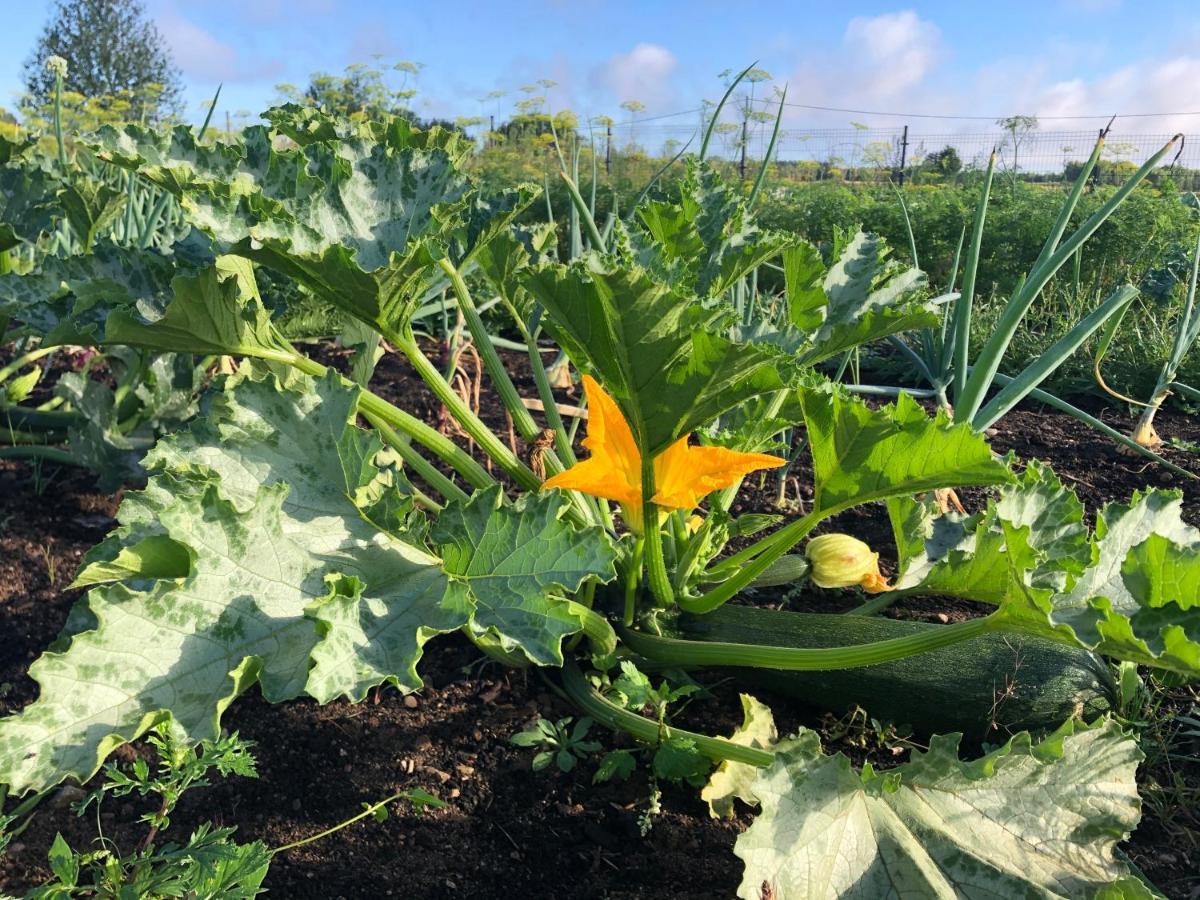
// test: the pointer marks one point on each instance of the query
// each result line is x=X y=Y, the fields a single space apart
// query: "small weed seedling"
x=561 y=743
x=208 y=864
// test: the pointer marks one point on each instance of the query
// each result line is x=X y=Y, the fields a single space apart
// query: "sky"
x=1054 y=58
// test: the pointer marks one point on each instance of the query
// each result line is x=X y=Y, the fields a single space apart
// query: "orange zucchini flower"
x=683 y=474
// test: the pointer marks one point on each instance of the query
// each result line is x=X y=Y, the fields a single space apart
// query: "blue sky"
x=1053 y=58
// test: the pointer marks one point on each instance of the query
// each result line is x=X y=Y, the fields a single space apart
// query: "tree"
x=945 y=161
x=1019 y=128
x=112 y=49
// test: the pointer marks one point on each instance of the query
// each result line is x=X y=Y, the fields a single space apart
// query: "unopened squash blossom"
x=683 y=474
x=839 y=560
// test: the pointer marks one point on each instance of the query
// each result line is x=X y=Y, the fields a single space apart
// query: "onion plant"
x=69 y=219
x=383 y=533
x=968 y=382
x=1187 y=330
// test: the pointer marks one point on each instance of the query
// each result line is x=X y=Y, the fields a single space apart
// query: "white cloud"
x=894 y=51
x=204 y=57
x=644 y=73
x=883 y=62
x=1146 y=86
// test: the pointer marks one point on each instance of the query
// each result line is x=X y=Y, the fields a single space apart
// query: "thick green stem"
x=49 y=454
x=372 y=404
x=58 y=129
x=877 y=604
x=20 y=417
x=487 y=439
x=596 y=628
x=424 y=469
x=151 y=223
x=768 y=550
x=10 y=435
x=523 y=421
x=633 y=578
x=649 y=731
x=656 y=565
x=800 y=659
x=21 y=361
x=562 y=443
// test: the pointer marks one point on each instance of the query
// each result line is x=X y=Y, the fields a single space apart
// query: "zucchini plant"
x=382 y=534
x=66 y=224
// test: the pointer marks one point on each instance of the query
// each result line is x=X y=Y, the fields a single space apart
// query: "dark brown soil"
x=507 y=831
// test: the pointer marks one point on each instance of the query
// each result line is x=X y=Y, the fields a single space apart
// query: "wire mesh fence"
x=921 y=151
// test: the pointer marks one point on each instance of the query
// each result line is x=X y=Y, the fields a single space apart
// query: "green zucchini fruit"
x=994 y=682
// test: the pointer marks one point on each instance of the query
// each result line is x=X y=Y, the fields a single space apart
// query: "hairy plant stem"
x=656 y=565
x=649 y=731
x=675 y=651
x=632 y=579
x=423 y=467
x=487 y=439
x=760 y=555
x=523 y=421
x=370 y=403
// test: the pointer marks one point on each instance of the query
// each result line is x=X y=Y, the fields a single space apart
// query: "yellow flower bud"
x=693 y=523
x=839 y=560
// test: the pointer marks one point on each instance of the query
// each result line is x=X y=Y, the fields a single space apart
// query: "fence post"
x=608 y=150
x=903 y=155
x=491 y=129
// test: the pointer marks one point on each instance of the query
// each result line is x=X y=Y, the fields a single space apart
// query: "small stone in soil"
x=410 y=701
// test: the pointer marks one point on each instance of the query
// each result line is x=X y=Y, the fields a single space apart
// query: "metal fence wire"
x=918 y=151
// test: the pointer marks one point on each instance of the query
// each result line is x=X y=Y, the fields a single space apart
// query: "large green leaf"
x=1138 y=599
x=1055 y=516
x=516 y=560
x=863 y=297
x=267 y=495
x=96 y=440
x=650 y=347
x=358 y=215
x=90 y=206
x=862 y=454
x=733 y=780
x=1131 y=590
x=209 y=313
x=27 y=204
x=1027 y=820
x=67 y=299
x=703 y=239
